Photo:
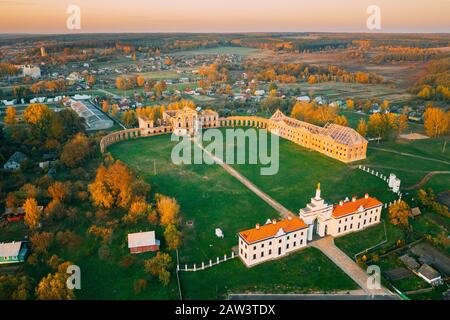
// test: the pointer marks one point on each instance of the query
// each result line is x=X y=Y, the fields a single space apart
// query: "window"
x=242 y=251
x=262 y=254
x=254 y=247
x=254 y=256
x=245 y=256
x=262 y=246
x=339 y=229
x=301 y=241
x=287 y=246
x=270 y=243
x=288 y=237
x=295 y=235
x=279 y=241
x=270 y=251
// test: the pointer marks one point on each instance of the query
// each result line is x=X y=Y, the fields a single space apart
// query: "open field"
x=208 y=196
x=357 y=91
x=243 y=51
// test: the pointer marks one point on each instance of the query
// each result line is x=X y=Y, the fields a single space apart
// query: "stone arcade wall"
x=131 y=134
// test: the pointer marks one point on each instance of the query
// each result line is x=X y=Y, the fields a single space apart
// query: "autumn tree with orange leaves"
x=436 y=122
x=112 y=187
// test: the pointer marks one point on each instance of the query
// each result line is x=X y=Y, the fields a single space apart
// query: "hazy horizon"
x=234 y=16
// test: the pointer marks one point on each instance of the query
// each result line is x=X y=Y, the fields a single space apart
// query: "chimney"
x=274 y=221
x=257 y=226
x=366 y=196
x=341 y=202
x=353 y=198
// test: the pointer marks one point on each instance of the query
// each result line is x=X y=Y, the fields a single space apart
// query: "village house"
x=15 y=161
x=143 y=242
x=13 y=252
x=16 y=214
x=430 y=275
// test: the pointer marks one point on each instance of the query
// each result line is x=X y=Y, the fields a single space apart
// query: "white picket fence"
x=203 y=265
x=379 y=175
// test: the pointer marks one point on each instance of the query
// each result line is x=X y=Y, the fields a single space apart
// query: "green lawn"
x=208 y=196
x=305 y=271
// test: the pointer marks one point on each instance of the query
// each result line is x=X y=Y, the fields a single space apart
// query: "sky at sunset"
x=49 y=16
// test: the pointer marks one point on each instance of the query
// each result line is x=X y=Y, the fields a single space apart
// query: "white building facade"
x=271 y=241
x=318 y=219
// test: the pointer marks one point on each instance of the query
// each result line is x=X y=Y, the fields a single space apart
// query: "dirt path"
x=425 y=179
x=327 y=246
x=284 y=212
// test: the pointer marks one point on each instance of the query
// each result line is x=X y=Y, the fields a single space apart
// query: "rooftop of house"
x=10 y=249
x=142 y=239
x=428 y=272
x=349 y=207
x=271 y=229
x=17 y=157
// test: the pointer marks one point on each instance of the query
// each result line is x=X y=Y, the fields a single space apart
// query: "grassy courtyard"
x=302 y=272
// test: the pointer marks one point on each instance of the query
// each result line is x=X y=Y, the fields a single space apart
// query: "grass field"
x=341 y=90
x=303 y=272
x=219 y=50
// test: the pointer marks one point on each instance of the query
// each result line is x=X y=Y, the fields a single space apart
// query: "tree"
x=341 y=120
x=10 y=117
x=32 y=213
x=140 y=80
x=138 y=209
x=399 y=213
x=54 y=287
x=168 y=209
x=350 y=104
x=105 y=106
x=436 y=122
x=172 y=237
x=158 y=265
x=112 y=186
x=402 y=123
x=60 y=190
x=41 y=242
x=129 y=118
x=75 y=151
x=38 y=116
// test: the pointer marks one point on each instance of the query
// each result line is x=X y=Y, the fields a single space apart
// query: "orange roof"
x=270 y=230
x=353 y=206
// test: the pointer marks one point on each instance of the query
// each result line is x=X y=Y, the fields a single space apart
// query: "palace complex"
x=276 y=239
x=335 y=141
x=183 y=121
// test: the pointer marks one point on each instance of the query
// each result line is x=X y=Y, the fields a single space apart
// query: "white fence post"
x=217 y=260
x=203 y=265
x=232 y=254
x=210 y=263
x=224 y=257
x=195 y=268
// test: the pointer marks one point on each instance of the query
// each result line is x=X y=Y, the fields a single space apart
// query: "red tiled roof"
x=270 y=230
x=353 y=206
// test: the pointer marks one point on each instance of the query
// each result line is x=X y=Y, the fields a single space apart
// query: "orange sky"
x=49 y=16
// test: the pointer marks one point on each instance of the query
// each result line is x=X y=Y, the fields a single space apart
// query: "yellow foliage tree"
x=10 y=117
x=168 y=209
x=32 y=213
x=436 y=122
x=398 y=213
